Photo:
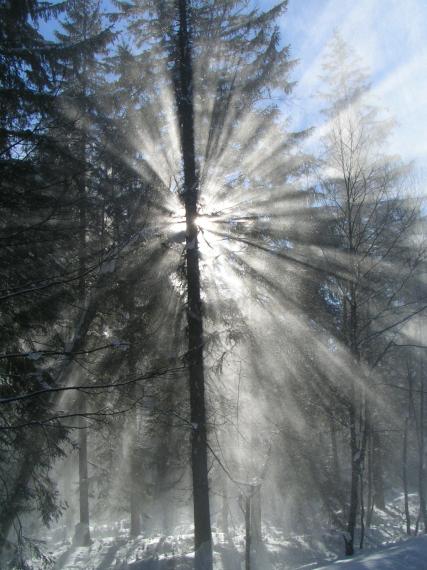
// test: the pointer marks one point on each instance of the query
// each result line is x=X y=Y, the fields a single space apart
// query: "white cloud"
x=389 y=36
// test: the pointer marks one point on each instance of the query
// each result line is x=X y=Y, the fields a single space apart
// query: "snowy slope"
x=410 y=554
x=165 y=553
x=111 y=549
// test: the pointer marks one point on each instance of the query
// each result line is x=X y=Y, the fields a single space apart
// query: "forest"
x=213 y=352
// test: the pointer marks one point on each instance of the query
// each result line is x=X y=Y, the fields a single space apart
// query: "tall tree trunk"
x=83 y=474
x=421 y=452
x=224 y=507
x=199 y=462
x=378 y=471
x=358 y=420
x=354 y=445
x=82 y=532
x=358 y=451
x=248 y=535
x=134 y=459
x=135 y=479
x=334 y=448
x=354 y=450
x=82 y=535
x=370 y=498
x=256 y=514
x=362 y=510
x=405 y=476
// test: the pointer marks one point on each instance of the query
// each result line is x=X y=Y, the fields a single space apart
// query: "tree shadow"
x=64 y=558
x=230 y=557
x=108 y=559
x=175 y=563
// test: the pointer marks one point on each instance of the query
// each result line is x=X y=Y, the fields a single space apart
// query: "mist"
x=213 y=286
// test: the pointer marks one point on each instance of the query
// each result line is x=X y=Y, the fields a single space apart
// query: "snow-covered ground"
x=385 y=548
x=410 y=554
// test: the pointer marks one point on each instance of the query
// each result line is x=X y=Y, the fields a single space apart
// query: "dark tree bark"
x=359 y=420
x=334 y=447
x=378 y=471
x=256 y=514
x=248 y=547
x=370 y=493
x=362 y=511
x=82 y=534
x=224 y=507
x=405 y=477
x=199 y=463
x=352 y=413
x=354 y=496
x=421 y=465
x=134 y=463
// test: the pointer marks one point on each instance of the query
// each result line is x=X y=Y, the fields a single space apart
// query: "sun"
x=205 y=223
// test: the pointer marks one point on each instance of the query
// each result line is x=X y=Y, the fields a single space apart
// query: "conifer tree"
x=83 y=86
x=46 y=267
x=217 y=59
x=32 y=242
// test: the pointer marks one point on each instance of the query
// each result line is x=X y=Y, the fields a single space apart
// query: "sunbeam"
x=213 y=340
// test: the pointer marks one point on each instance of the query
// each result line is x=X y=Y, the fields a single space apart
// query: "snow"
x=410 y=554
x=386 y=547
x=277 y=553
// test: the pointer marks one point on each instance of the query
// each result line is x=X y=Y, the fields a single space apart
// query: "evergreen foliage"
x=194 y=309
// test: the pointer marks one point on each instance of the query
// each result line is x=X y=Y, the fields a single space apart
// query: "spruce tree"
x=83 y=85
x=32 y=242
x=218 y=60
x=42 y=209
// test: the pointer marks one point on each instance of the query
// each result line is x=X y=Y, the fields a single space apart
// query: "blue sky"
x=390 y=36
